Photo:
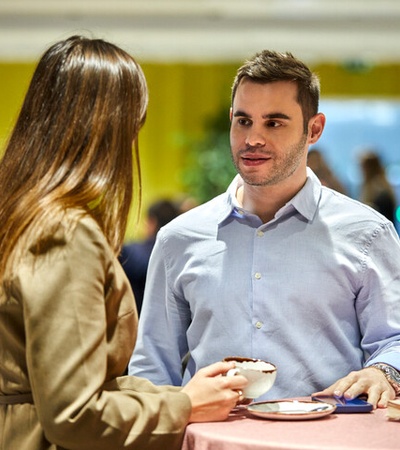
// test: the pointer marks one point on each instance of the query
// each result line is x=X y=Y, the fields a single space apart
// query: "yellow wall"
x=14 y=80
x=352 y=80
x=182 y=97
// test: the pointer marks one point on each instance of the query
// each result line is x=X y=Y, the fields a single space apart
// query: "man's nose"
x=255 y=138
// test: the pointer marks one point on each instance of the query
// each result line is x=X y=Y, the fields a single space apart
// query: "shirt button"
x=257 y=275
x=260 y=233
x=259 y=325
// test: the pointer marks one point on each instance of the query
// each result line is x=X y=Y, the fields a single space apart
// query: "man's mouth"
x=254 y=160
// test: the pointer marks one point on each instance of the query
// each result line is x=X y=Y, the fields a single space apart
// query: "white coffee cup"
x=260 y=375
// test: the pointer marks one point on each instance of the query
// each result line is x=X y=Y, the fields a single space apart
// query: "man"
x=279 y=267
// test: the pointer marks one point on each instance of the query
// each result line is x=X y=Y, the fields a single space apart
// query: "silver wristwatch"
x=391 y=374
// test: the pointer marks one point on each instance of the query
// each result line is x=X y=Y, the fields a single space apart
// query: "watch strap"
x=392 y=375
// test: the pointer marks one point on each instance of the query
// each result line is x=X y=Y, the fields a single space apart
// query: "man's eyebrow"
x=276 y=115
x=239 y=113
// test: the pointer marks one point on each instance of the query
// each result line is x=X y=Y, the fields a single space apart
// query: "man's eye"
x=243 y=121
x=273 y=124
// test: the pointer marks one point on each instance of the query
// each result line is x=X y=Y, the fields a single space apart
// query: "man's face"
x=268 y=143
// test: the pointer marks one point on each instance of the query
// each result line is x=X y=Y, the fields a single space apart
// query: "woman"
x=67 y=314
x=376 y=191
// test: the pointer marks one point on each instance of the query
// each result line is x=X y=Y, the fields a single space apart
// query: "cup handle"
x=232 y=372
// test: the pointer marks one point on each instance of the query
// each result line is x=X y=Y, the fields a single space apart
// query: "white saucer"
x=290 y=409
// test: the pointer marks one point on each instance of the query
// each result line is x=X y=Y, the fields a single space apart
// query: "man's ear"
x=230 y=114
x=316 y=127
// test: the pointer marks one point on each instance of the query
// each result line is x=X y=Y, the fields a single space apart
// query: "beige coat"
x=67 y=329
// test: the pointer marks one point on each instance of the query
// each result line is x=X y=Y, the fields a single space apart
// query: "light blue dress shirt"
x=315 y=291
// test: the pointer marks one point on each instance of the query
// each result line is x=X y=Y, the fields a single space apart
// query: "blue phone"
x=343 y=405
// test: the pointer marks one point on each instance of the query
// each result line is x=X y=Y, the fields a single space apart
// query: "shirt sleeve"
x=378 y=300
x=63 y=297
x=162 y=343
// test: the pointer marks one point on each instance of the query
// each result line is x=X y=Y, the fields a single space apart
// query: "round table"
x=242 y=431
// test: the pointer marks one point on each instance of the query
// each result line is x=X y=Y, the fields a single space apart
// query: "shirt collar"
x=305 y=201
x=230 y=202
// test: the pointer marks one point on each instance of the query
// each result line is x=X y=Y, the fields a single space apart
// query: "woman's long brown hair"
x=74 y=144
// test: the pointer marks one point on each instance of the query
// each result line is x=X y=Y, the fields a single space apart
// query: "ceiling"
x=208 y=30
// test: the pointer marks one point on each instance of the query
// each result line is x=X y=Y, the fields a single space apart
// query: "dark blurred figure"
x=376 y=191
x=317 y=163
x=135 y=256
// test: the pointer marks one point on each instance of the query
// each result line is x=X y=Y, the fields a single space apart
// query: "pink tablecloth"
x=334 y=432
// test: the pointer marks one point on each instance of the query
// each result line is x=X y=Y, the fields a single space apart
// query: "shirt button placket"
x=257 y=276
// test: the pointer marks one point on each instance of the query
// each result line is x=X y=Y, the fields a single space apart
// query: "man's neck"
x=265 y=201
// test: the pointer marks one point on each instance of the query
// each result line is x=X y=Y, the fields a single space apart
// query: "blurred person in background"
x=185 y=202
x=376 y=191
x=135 y=256
x=279 y=267
x=318 y=164
x=68 y=318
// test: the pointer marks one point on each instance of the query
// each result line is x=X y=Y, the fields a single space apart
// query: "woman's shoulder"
x=68 y=239
x=63 y=229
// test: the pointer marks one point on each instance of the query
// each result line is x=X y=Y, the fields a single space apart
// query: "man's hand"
x=369 y=381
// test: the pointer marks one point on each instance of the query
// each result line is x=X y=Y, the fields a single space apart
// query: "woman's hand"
x=213 y=395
